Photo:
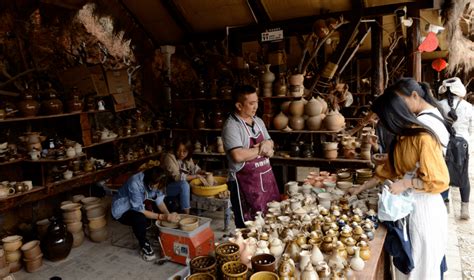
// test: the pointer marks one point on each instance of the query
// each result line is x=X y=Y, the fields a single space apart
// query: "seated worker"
x=131 y=205
x=182 y=169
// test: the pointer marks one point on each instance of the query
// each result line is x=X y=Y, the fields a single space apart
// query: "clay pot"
x=33 y=265
x=334 y=121
x=200 y=120
x=78 y=238
x=280 y=121
x=3 y=261
x=264 y=275
x=315 y=122
x=97 y=223
x=263 y=262
x=285 y=107
x=217 y=118
x=74 y=227
x=313 y=107
x=12 y=243
x=75 y=104
x=90 y=200
x=349 y=153
x=52 y=105
x=15 y=266
x=203 y=264
x=296 y=85
x=200 y=276
x=4 y=271
x=267 y=79
x=296 y=122
x=42 y=227
x=279 y=87
x=28 y=106
x=296 y=108
x=99 y=235
x=31 y=250
x=12 y=256
x=94 y=211
x=57 y=242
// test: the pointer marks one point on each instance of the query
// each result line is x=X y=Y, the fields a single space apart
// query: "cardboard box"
x=117 y=81
x=87 y=79
x=123 y=101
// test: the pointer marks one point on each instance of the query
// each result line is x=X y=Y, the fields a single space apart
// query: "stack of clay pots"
x=97 y=223
x=32 y=255
x=4 y=268
x=72 y=216
x=12 y=245
x=330 y=150
x=42 y=227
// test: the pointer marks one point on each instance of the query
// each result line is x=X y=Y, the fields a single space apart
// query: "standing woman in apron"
x=248 y=148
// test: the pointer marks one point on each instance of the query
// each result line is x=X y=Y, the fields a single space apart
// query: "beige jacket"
x=177 y=168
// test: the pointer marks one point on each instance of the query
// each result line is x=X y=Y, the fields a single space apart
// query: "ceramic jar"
x=52 y=105
x=267 y=80
x=200 y=120
x=276 y=247
x=296 y=122
x=28 y=107
x=217 y=118
x=57 y=242
x=220 y=145
x=286 y=269
x=280 y=121
x=334 y=121
x=309 y=273
x=296 y=85
x=296 y=108
x=140 y=124
x=279 y=87
x=313 y=107
x=75 y=104
x=314 y=123
x=357 y=263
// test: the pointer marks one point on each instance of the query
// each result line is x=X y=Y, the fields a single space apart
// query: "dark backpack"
x=456 y=154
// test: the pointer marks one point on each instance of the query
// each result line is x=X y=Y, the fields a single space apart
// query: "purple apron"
x=256 y=183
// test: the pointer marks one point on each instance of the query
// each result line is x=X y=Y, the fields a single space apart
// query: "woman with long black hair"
x=460 y=111
x=416 y=150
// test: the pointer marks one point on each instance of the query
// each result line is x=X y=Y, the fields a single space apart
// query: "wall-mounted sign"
x=275 y=34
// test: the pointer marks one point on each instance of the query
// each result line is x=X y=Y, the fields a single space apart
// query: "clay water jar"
x=285 y=107
x=263 y=262
x=28 y=106
x=57 y=242
x=297 y=122
x=52 y=105
x=315 y=122
x=75 y=104
x=296 y=108
x=334 y=121
x=99 y=235
x=97 y=223
x=330 y=154
x=78 y=238
x=31 y=250
x=280 y=121
x=74 y=227
x=313 y=107
x=94 y=211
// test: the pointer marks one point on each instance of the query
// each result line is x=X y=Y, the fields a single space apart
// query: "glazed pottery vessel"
x=52 y=105
x=280 y=121
x=57 y=242
x=28 y=107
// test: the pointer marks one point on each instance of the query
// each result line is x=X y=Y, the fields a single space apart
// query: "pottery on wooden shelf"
x=217 y=118
x=296 y=108
x=334 y=121
x=296 y=122
x=285 y=107
x=313 y=107
x=28 y=107
x=279 y=87
x=57 y=243
x=280 y=121
x=267 y=79
x=315 y=122
x=296 y=85
x=52 y=105
x=75 y=104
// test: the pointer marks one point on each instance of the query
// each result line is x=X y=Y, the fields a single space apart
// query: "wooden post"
x=377 y=83
x=414 y=56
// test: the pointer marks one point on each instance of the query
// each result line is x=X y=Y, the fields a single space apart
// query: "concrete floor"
x=104 y=261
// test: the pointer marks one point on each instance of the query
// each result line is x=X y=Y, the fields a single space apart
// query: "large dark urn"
x=52 y=105
x=29 y=107
x=57 y=243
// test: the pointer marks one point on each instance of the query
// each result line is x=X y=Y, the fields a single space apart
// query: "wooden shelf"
x=48 y=116
x=123 y=138
x=305 y=131
x=281 y=97
x=41 y=192
x=11 y=162
x=200 y=99
x=197 y=129
x=55 y=160
x=209 y=154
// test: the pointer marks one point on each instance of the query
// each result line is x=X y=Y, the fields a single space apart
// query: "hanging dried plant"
x=459 y=14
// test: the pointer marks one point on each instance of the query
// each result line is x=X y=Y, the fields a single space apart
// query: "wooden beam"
x=414 y=56
x=377 y=77
x=259 y=12
x=177 y=16
x=135 y=20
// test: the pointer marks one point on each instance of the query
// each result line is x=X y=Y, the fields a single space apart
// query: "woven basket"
x=264 y=275
x=226 y=252
x=205 y=264
x=201 y=276
x=234 y=270
x=197 y=187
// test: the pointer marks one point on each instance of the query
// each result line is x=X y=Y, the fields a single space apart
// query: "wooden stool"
x=212 y=204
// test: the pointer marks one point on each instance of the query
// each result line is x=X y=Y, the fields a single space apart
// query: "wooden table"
x=375 y=267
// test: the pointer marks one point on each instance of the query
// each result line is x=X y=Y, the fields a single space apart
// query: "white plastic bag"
x=394 y=207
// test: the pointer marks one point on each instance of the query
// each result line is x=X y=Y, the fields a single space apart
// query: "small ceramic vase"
x=357 y=263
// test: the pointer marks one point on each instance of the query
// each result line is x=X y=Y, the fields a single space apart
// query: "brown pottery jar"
x=75 y=104
x=52 y=105
x=28 y=106
x=57 y=242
